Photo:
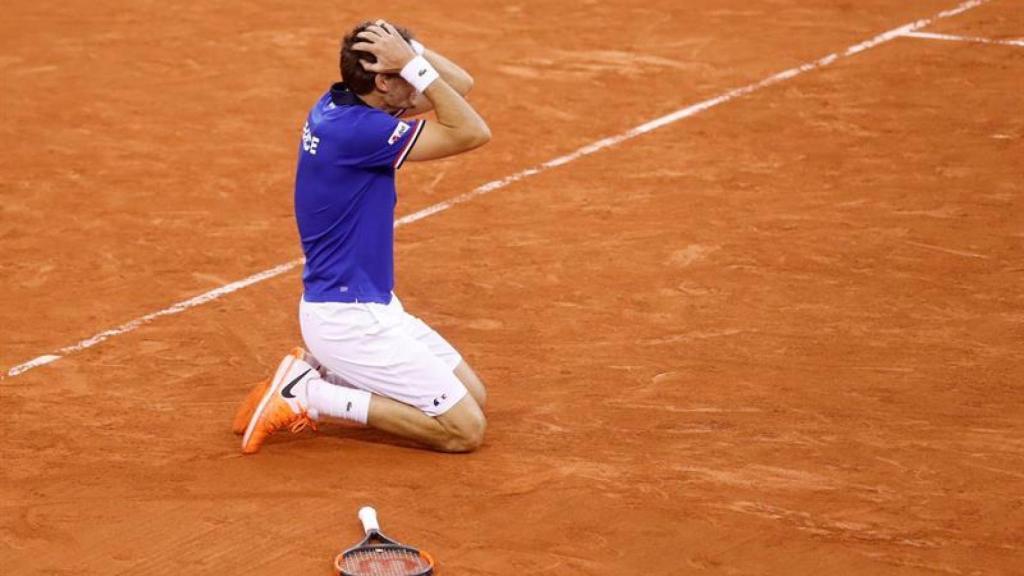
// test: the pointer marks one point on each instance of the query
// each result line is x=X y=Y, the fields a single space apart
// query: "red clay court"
x=745 y=279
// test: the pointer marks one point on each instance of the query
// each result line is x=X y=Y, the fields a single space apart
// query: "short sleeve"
x=380 y=140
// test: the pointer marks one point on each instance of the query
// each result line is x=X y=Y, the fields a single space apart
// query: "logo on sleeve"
x=400 y=131
x=309 y=142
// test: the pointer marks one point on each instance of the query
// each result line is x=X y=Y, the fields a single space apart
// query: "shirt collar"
x=342 y=96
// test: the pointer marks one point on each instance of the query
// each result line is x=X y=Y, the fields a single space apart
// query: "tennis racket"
x=378 y=555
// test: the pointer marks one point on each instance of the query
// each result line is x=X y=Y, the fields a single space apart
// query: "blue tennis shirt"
x=345 y=197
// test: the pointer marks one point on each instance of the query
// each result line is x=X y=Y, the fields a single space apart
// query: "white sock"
x=326 y=399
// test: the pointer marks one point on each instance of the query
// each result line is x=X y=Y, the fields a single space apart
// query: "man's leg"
x=447 y=353
x=419 y=387
x=402 y=378
x=297 y=396
x=463 y=372
x=460 y=429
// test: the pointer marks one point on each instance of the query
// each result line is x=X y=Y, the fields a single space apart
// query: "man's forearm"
x=453 y=74
x=454 y=113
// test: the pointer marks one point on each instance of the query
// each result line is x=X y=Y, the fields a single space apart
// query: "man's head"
x=390 y=90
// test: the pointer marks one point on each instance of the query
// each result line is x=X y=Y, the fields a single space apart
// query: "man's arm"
x=452 y=73
x=458 y=127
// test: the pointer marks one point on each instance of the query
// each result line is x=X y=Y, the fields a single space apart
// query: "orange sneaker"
x=283 y=403
x=248 y=406
x=244 y=413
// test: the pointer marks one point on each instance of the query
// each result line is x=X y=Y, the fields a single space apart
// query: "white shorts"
x=384 y=350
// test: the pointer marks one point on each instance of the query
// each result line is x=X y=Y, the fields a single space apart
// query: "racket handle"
x=368 y=516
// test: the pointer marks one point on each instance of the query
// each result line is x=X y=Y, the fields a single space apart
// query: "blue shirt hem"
x=348 y=298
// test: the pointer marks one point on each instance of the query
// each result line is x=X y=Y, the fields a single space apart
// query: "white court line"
x=974 y=39
x=502 y=183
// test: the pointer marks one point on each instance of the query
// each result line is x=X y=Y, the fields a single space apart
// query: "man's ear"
x=380 y=82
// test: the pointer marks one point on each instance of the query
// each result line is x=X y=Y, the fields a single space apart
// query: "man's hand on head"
x=386 y=43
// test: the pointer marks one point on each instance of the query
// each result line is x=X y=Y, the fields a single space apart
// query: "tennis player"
x=370 y=362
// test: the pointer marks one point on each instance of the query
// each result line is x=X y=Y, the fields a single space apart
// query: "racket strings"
x=384 y=562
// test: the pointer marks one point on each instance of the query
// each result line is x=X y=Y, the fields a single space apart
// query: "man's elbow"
x=474 y=137
x=482 y=135
x=466 y=84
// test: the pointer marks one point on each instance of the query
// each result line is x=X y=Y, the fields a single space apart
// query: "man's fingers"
x=365 y=47
x=369 y=35
x=385 y=42
x=377 y=30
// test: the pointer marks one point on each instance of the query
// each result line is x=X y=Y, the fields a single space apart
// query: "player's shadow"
x=367 y=435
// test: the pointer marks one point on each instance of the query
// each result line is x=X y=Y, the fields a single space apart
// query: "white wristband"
x=418 y=48
x=419 y=73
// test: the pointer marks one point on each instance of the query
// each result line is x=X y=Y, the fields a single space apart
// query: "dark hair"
x=358 y=79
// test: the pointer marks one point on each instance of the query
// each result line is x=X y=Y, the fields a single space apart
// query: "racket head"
x=382 y=556
x=378 y=555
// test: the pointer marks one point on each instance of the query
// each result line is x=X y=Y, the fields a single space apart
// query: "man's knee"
x=465 y=434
